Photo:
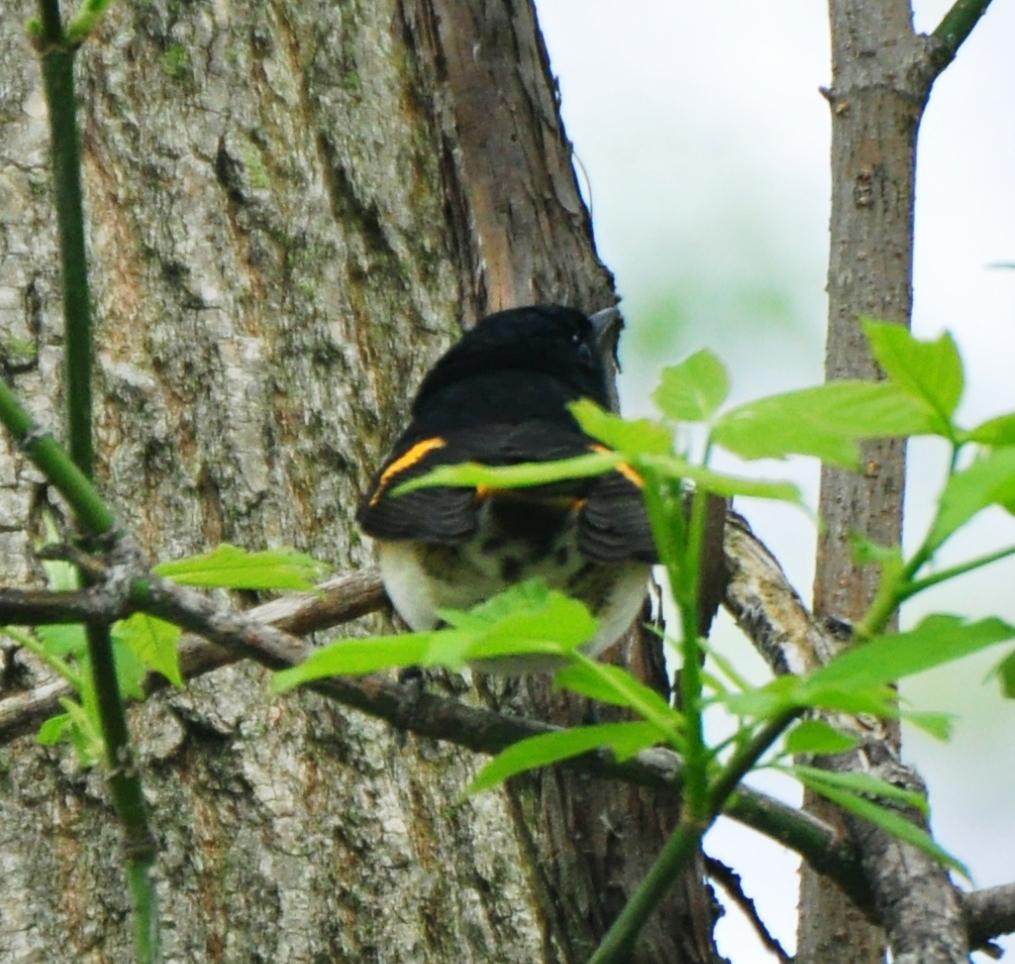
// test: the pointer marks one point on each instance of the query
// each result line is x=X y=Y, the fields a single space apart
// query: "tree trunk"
x=877 y=98
x=292 y=209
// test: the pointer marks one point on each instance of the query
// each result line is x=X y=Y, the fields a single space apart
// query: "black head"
x=549 y=339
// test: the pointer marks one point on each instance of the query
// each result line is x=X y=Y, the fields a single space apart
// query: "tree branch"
x=758 y=596
x=989 y=913
x=956 y=25
x=335 y=601
x=35 y=607
x=346 y=597
x=729 y=880
x=912 y=892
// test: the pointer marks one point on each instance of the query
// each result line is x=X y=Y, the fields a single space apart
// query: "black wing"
x=448 y=515
x=613 y=525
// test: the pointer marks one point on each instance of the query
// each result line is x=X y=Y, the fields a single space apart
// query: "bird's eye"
x=585 y=353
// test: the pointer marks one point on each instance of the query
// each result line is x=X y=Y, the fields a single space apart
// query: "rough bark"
x=292 y=209
x=881 y=77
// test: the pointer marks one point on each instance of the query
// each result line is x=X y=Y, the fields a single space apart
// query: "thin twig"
x=35 y=607
x=729 y=880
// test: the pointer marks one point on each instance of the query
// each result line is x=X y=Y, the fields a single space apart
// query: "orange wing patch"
x=414 y=455
x=629 y=473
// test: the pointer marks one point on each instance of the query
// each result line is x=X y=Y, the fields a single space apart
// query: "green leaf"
x=83 y=733
x=938 y=639
x=887 y=820
x=789 y=692
x=513 y=620
x=988 y=481
x=930 y=371
x=767 y=701
x=625 y=739
x=611 y=684
x=54 y=729
x=229 y=567
x=861 y=783
x=720 y=483
x=61 y=576
x=63 y=639
x=130 y=671
x=874 y=701
x=356 y=657
x=816 y=736
x=867 y=552
x=693 y=390
x=153 y=641
x=995 y=431
x=472 y=474
x=527 y=619
x=630 y=437
x=937 y=725
x=614 y=685
x=825 y=421
x=1005 y=672
x=85 y=20
x=531 y=595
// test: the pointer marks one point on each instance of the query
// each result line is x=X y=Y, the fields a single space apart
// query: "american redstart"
x=499 y=396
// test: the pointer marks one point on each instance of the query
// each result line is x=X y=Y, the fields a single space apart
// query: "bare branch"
x=989 y=912
x=727 y=878
x=34 y=607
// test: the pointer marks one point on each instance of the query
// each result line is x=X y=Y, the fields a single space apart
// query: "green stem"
x=59 y=666
x=956 y=25
x=57 y=57
x=146 y=910
x=125 y=791
x=686 y=593
x=683 y=843
x=894 y=592
x=680 y=548
x=675 y=537
x=745 y=757
x=680 y=848
x=944 y=575
x=60 y=471
x=887 y=599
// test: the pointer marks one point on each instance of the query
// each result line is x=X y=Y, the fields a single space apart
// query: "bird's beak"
x=607 y=325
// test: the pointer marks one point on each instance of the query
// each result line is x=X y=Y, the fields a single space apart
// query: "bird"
x=499 y=396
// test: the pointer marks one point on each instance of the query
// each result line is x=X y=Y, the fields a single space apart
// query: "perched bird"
x=499 y=396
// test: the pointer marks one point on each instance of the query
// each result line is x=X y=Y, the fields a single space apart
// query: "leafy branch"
x=919 y=397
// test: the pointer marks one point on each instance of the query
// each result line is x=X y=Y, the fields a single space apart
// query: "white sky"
x=705 y=143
